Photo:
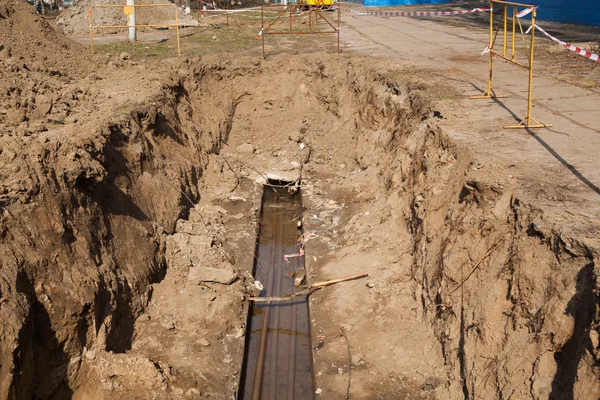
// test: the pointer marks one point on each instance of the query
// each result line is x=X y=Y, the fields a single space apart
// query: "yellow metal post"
x=339 y=25
x=91 y=30
x=527 y=122
x=262 y=28
x=489 y=92
x=177 y=29
x=505 y=22
x=514 y=32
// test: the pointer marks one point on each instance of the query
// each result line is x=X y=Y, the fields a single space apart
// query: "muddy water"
x=285 y=371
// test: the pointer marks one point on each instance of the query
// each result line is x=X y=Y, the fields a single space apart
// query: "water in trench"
x=278 y=359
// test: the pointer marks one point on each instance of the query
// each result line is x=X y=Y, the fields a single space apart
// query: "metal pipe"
x=510 y=3
x=301 y=33
x=505 y=18
x=292 y=363
x=514 y=32
x=530 y=92
x=508 y=59
x=338 y=25
x=260 y=360
x=491 y=56
x=262 y=28
x=278 y=282
x=91 y=31
x=178 y=39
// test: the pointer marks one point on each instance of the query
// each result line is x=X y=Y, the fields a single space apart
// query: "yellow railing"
x=528 y=121
x=127 y=11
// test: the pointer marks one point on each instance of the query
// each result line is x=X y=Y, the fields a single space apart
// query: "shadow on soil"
x=581 y=307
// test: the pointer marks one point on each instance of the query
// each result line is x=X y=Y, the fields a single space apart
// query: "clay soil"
x=130 y=195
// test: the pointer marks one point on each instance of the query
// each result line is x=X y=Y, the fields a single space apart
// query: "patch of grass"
x=149 y=51
x=239 y=37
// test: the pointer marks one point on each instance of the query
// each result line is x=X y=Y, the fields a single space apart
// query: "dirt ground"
x=130 y=194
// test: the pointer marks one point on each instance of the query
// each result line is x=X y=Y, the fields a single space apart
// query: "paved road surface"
x=564 y=157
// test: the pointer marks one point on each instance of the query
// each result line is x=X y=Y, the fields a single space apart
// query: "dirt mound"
x=27 y=36
x=38 y=66
x=73 y=20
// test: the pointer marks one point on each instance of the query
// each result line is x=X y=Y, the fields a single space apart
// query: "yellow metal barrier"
x=528 y=121
x=127 y=11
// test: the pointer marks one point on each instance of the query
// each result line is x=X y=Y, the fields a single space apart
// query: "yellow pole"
x=177 y=22
x=528 y=121
x=514 y=31
x=338 y=25
x=505 y=22
x=491 y=44
x=91 y=31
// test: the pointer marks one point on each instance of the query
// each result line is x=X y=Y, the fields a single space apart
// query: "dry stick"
x=257 y=171
x=343 y=333
x=306 y=292
x=487 y=254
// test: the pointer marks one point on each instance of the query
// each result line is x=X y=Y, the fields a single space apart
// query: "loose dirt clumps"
x=36 y=66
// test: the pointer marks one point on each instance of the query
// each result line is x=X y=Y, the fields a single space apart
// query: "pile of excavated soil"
x=73 y=21
x=38 y=70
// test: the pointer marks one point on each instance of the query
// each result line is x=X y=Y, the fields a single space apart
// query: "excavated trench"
x=127 y=263
x=278 y=357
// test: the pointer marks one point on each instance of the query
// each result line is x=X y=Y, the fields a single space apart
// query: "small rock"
x=43 y=105
x=214 y=37
x=191 y=392
x=347 y=327
x=431 y=383
x=239 y=333
x=90 y=355
x=247 y=148
x=318 y=391
x=340 y=371
x=546 y=366
x=371 y=285
x=224 y=275
x=203 y=342
x=299 y=277
x=357 y=358
x=594 y=338
x=15 y=116
x=124 y=56
x=296 y=137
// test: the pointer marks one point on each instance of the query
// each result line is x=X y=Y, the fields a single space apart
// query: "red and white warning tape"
x=581 y=52
x=416 y=13
x=306 y=236
x=525 y=12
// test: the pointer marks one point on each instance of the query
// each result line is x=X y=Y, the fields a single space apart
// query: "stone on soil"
x=224 y=275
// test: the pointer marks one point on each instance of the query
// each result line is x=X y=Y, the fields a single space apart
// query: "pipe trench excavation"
x=278 y=357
